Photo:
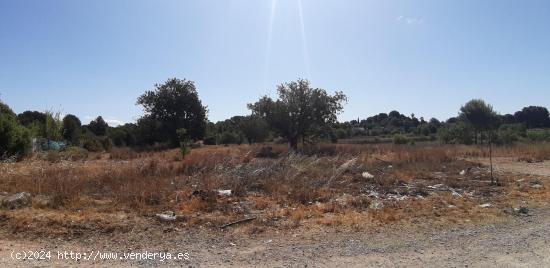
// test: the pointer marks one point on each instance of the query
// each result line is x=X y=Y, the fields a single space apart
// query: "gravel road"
x=521 y=241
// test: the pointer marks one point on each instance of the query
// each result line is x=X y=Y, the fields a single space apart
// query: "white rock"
x=486 y=205
x=373 y=194
x=397 y=197
x=224 y=192
x=367 y=175
x=455 y=194
x=536 y=186
x=167 y=216
x=437 y=186
x=462 y=173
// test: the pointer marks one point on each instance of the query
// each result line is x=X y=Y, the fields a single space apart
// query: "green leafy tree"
x=254 y=129
x=176 y=104
x=533 y=117
x=15 y=140
x=98 y=126
x=71 y=128
x=27 y=118
x=480 y=115
x=483 y=118
x=118 y=136
x=300 y=111
x=148 y=131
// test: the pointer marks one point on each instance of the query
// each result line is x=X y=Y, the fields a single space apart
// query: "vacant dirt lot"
x=416 y=207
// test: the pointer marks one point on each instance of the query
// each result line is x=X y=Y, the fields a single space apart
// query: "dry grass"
x=320 y=185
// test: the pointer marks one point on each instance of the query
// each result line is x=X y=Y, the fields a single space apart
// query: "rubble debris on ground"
x=237 y=222
x=375 y=204
x=522 y=210
x=15 y=201
x=367 y=175
x=167 y=216
x=224 y=192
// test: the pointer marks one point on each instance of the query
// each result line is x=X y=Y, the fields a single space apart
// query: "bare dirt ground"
x=509 y=241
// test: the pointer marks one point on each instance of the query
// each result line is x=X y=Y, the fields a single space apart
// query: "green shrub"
x=15 y=140
x=210 y=140
x=510 y=133
x=106 y=143
x=75 y=153
x=456 y=133
x=229 y=137
x=184 y=140
x=400 y=139
x=92 y=144
x=538 y=135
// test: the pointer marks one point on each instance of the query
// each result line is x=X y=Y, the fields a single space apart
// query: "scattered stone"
x=486 y=205
x=16 y=201
x=536 y=186
x=372 y=193
x=367 y=175
x=224 y=192
x=462 y=173
x=436 y=186
x=397 y=197
x=375 y=204
x=167 y=216
x=456 y=194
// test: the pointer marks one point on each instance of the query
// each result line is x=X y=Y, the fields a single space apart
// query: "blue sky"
x=96 y=57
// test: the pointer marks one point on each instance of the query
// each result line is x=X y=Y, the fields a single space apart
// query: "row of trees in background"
x=175 y=117
x=527 y=124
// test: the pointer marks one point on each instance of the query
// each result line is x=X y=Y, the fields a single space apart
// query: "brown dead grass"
x=319 y=185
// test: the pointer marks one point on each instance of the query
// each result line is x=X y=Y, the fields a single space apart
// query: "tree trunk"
x=294 y=143
x=491 y=157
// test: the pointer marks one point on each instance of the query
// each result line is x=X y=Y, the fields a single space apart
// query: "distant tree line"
x=527 y=124
x=175 y=117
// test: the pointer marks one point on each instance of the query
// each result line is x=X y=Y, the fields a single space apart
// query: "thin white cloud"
x=410 y=20
x=114 y=122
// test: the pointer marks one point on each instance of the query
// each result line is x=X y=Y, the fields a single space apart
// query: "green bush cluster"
x=15 y=140
x=400 y=139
